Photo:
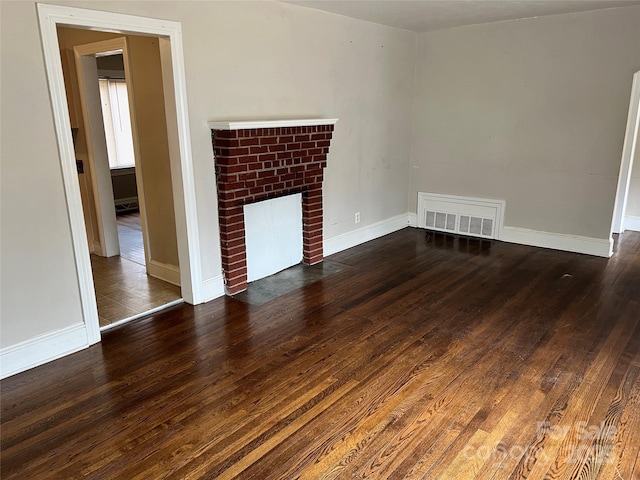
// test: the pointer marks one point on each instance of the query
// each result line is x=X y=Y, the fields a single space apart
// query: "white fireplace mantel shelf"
x=245 y=125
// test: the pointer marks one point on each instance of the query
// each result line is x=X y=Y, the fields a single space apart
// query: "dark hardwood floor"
x=425 y=357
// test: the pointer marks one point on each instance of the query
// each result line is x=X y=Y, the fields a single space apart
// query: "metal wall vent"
x=476 y=225
x=441 y=221
x=463 y=215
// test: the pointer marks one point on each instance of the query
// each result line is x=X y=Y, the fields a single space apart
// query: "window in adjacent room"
x=117 y=122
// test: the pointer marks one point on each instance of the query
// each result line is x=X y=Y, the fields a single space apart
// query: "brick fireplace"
x=256 y=161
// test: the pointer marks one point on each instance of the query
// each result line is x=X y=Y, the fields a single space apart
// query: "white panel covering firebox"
x=273 y=234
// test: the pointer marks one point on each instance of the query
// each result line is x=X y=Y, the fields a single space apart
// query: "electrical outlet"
x=357 y=217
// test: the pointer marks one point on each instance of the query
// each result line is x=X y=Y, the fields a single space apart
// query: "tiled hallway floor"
x=123 y=288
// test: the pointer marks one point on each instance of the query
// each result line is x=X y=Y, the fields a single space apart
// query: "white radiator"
x=476 y=217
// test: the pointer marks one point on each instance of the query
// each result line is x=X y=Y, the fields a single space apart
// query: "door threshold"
x=140 y=315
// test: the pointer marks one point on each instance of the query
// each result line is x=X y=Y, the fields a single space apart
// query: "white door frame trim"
x=50 y=16
x=628 y=151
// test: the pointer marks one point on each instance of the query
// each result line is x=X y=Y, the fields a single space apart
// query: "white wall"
x=243 y=60
x=633 y=200
x=530 y=111
x=633 y=205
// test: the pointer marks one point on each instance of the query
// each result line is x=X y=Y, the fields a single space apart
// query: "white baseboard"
x=164 y=271
x=412 y=219
x=632 y=223
x=212 y=288
x=571 y=243
x=42 y=349
x=361 y=235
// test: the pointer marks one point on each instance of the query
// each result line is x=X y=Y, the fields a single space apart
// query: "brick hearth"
x=256 y=161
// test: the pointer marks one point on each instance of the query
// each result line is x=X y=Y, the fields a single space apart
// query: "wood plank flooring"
x=426 y=357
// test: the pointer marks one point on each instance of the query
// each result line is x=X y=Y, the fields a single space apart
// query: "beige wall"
x=530 y=111
x=243 y=60
x=39 y=291
x=154 y=149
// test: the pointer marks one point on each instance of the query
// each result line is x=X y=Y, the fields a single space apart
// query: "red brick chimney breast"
x=257 y=161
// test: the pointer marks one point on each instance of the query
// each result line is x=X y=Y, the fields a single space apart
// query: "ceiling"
x=427 y=15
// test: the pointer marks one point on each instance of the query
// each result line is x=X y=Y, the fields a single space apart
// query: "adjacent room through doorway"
x=123 y=288
x=121 y=170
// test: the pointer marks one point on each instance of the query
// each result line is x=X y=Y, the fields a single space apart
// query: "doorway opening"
x=169 y=38
x=626 y=212
x=134 y=260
